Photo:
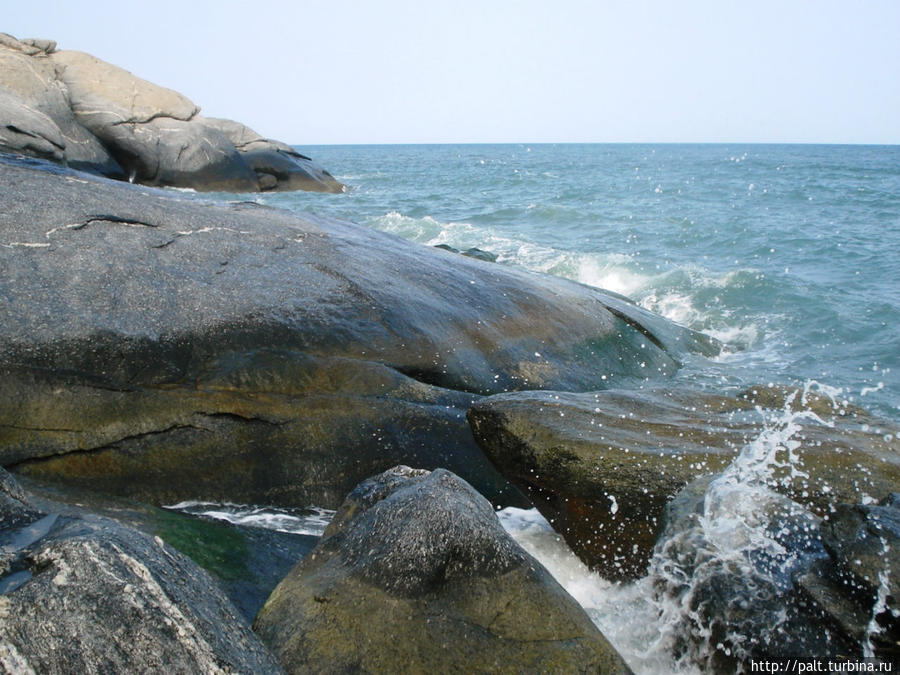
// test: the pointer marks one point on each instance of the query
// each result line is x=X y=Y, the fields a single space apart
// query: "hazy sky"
x=394 y=71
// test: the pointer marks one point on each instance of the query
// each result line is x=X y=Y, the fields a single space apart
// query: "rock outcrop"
x=166 y=349
x=602 y=466
x=88 y=594
x=73 y=108
x=416 y=574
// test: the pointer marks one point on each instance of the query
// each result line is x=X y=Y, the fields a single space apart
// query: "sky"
x=495 y=71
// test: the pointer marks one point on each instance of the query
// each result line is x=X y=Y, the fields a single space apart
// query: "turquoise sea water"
x=789 y=254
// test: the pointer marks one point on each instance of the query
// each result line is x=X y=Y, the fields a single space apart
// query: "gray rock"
x=864 y=543
x=87 y=594
x=149 y=128
x=246 y=561
x=864 y=539
x=34 y=80
x=26 y=130
x=738 y=597
x=473 y=252
x=277 y=165
x=28 y=46
x=148 y=337
x=602 y=466
x=415 y=574
x=119 y=125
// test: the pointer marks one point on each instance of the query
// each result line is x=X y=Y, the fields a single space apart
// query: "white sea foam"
x=673 y=293
x=311 y=520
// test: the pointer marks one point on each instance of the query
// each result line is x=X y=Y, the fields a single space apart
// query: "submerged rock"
x=473 y=252
x=76 y=109
x=88 y=594
x=161 y=348
x=416 y=574
x=601 y=467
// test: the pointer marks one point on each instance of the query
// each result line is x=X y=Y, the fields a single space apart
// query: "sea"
x=789 y=255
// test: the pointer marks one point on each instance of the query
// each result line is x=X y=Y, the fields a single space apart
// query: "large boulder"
x=168 y=349
x=88 y=594
x=416 y=574
x=602 y=466
x=119 y=125
x=28 y=72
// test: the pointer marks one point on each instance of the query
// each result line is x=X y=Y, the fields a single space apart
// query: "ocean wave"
x=689 y=294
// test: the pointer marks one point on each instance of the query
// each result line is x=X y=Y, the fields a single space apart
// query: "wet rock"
x=88 y=594
x=148 y=337
x=415 y=573
x=730 y=560
x=472 y=252
x=864 y=543
x=601 y=467
x=757 y=576
x=122 y=126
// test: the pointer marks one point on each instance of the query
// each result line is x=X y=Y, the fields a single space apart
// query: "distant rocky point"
x=74 y=109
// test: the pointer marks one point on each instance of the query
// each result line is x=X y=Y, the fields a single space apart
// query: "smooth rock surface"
x=277 y=165
x=88 y=594
x=25 y=130
x=29 y=73
x=168 y=349
x=415 y=574
x=602 y=466
x=119 y=125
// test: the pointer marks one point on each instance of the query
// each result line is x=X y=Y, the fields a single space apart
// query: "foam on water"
x=311 y=520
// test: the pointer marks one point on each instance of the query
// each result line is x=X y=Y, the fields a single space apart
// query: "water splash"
x=719 y=569
x=716 y=591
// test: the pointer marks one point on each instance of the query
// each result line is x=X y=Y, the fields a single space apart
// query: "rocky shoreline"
x=155 y=349
x=72 y=108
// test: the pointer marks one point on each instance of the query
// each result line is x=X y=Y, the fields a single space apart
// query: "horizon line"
x=387 y=143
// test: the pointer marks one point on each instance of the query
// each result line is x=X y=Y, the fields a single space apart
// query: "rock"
x=602 y=466
x=87 y=594
x=28 y=46
x=726 y=570
x=118 y=125
x=473 y=252
x=277 y=165
x=33 y=79
x=864 y=543
x=149 y=128
x=416 y=574
x=148 y=337
x=26 y=130
x=246 y=561
x=864 y=539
